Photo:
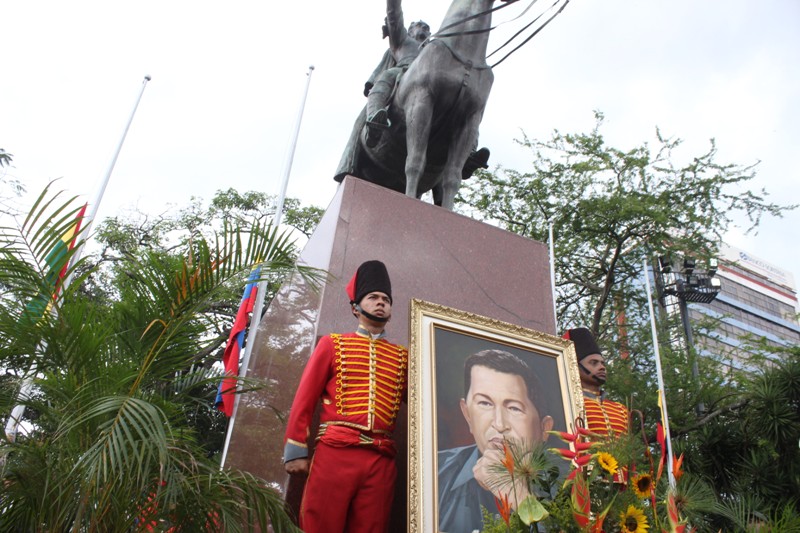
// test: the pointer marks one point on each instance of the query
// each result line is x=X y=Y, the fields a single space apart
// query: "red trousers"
x=349 y=490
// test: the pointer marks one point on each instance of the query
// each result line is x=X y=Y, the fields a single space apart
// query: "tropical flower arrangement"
x=613 y=485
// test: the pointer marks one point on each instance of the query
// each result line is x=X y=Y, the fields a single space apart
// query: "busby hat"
x=371 y=276
x=585 y=345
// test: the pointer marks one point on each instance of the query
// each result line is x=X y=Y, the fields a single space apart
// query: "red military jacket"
x=361 y=382
x=605 y=417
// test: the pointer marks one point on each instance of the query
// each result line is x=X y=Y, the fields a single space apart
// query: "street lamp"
x=687 y=284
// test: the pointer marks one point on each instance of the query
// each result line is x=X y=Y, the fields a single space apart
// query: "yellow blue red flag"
x=57 y=262
x=230 y=359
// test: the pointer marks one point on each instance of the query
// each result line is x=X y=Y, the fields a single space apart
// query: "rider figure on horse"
x=368 y=157
x=404 y=47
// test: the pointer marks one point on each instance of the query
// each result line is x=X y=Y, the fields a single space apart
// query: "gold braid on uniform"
x=369 y=379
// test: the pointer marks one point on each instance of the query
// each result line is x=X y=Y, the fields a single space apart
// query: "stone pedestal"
x=431 y=254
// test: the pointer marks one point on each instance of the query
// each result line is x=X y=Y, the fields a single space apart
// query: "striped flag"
x=57 y=262
x=230 y=359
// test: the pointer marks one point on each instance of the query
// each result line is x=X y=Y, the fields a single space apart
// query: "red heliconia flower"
x=581 y=501
x=565 y=453
x=675 y=523
x=566 y=437
x=677 y=467
x=504 y=507
x=597 y=527
x=508 y=459
x=662 y=442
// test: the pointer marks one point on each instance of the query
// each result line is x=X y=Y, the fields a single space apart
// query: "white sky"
x=228 y=77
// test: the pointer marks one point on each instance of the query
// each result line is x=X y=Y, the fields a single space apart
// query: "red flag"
x=230 y=359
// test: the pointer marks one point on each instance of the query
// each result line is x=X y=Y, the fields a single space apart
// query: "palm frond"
x=133 y=437
x=743 y=511
x=111 y=420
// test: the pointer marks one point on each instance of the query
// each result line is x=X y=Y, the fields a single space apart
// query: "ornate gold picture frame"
x=441 y=339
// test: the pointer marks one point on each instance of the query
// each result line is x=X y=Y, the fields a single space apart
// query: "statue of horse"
x=435 y=112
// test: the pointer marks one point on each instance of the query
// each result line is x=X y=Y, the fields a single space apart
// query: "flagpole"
x=262 y=286
x=12 y=425
x=292 y=147
x=89 y=219
x=553 y=276
x=662 y=400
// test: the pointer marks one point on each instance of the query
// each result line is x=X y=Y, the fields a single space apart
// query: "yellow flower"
x=633 y=521
x=642 y=485
x=607 y=462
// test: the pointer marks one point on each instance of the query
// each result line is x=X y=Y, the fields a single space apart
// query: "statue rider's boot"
x=376 y=123
x=377 y=114
x=477 y=159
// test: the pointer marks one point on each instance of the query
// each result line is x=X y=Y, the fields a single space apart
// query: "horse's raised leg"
x=419 y=113
x=460 y=147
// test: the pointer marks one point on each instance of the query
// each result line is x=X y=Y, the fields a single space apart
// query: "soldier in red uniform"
x=361 y=378
x=603 y=416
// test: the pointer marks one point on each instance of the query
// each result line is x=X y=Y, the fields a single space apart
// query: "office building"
x=755 y=299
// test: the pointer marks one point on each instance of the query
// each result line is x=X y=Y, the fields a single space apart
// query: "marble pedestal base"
x=431 y=254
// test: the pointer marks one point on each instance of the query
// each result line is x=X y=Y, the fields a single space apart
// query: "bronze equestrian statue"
x=424 y=111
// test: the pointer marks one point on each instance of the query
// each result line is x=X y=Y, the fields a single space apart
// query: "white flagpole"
x=290 y=156
x=553 y=277
x=12 y=425
x=662 y=397
x=92 y=212
x=258 y=306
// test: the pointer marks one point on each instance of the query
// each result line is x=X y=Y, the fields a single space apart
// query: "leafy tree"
x=122 y=241
x=751 y=453
x=611 y=209
x=111 y=444
x=17 y=188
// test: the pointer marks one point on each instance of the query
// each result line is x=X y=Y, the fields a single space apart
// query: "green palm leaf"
x=108 y=439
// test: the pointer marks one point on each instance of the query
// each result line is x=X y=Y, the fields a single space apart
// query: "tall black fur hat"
x=585 y=345
x=371 y=276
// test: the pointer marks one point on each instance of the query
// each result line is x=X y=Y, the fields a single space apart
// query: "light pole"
x=686 y=283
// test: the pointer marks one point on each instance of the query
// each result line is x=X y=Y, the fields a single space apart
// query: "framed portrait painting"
x=473 y=382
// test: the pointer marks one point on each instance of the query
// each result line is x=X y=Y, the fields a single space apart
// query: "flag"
x=230 y=359
x=57 y=263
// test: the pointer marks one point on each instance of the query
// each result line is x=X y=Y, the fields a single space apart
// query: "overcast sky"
x=227 y=79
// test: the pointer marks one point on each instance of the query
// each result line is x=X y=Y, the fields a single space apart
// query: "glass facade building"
x=756 y=300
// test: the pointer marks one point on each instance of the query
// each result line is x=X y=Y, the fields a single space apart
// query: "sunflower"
x=633 y=521
x=607 y=462
x=642 y=485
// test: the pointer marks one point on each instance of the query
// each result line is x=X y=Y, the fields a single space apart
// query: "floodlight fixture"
x=713 y=265
x=688 y=265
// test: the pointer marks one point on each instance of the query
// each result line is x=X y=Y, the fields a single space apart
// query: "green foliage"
x=5 y=158
x=750 y=454
x=611 y=481
x=610 y=209
x=16 y=188
x=110 y=441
